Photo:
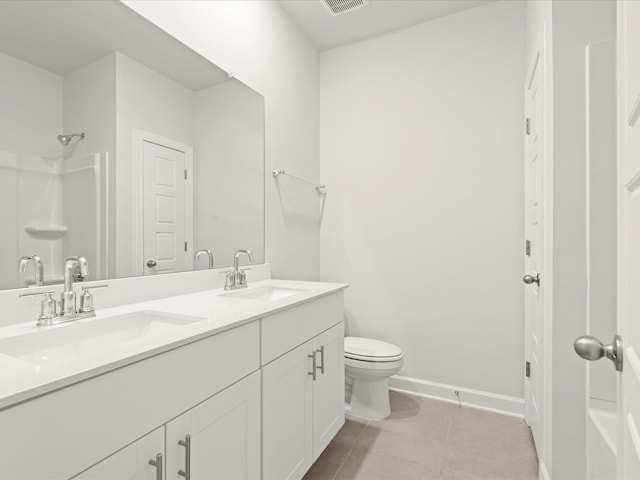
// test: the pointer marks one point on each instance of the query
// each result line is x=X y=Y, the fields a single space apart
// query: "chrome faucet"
x=68 y=296
x=38 y=265
x=237 y=278
x=204 y=252
x=50 y=314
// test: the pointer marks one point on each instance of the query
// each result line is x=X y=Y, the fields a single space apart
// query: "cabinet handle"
x=186 y=443
x=158 y=464
x=314 y=367
x=321 y=367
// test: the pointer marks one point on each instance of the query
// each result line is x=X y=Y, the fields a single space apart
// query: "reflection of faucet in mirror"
x=39 y=268
x=81 y=269
x=68 y=296
x=237 y=278
x=199 y=253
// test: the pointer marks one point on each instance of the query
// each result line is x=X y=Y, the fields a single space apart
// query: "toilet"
x=368 y=365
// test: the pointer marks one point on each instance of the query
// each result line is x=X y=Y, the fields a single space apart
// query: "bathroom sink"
x=266 y=293
x=73 y=340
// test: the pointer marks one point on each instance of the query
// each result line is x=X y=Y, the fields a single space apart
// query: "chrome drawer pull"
x=321 y=367
x=186 y=443
x=315 y=366
x=158 y=464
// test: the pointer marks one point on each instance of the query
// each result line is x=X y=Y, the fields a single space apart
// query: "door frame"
x=139 y=137
x=541 y=58
x=628 y=435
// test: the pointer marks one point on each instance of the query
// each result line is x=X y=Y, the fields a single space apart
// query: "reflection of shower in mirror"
x=65 y=139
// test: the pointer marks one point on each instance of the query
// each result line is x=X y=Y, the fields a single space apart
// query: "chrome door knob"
x=152 y=264
x=590 y=348
x=529 y=279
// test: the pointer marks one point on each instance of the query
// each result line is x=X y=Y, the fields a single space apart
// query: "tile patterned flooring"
x=427 y=439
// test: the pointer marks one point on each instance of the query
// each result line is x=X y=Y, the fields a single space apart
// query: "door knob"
x=152 y=264
x=590 y=348
x=529 y=279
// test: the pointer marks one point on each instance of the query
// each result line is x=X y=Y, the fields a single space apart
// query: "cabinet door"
x=224 y=435
x=286 y=409
x=132 y=462
x=328 y=389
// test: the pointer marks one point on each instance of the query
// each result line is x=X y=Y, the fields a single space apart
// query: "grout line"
x=343 y=463
x=355 y=444
x=444 y=451
x=362 y=433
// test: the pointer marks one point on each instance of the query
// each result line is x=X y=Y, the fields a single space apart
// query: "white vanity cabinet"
x=328 y=389
x=216 y=440
x=132 y=462
x=220 y=438
x=302 y=410
x=63 y=433
x=287 y=446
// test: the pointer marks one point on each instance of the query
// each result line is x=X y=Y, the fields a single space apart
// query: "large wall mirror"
x=121 y=145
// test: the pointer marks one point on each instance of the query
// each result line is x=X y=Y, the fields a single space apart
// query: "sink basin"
x=71 y=340
x=265 y=294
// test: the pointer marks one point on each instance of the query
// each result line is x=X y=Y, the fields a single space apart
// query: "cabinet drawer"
x=60 y=434
x=286 y=330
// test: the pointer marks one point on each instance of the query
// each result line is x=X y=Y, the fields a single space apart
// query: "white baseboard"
x=493 y=402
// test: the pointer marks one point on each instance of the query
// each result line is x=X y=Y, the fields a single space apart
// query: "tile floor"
x=428 y=439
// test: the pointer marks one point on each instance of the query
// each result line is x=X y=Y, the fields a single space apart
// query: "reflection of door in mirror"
x=165 y=214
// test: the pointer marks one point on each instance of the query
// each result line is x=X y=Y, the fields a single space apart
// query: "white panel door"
x=164 y=209
x=328 y=389
x=130 y=463
x=287 y=415
x=628 y=44
x=533 y=249
x=224 y=436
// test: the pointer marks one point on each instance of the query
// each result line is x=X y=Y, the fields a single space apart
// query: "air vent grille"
x=338 y=7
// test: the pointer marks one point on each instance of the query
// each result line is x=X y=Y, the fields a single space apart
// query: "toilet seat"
x=370 y=350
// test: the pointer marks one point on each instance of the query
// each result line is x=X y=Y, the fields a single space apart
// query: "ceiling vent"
x=338 y=7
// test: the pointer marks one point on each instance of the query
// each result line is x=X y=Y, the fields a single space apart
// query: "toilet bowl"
x=368 y=365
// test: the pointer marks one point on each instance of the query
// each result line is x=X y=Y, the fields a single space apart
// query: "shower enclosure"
x=60 y=210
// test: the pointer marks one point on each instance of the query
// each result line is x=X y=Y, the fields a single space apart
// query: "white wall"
x=261 y=46
x=89 y=108
x=229 y=178
x=31 y=106
x=421 y=147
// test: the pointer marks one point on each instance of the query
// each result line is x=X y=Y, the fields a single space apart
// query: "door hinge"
x=527 y=126
x=185 y=246
x=527 y=248
x=185 y=174
x=527 y=369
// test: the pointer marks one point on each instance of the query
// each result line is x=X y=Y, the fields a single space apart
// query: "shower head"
x=65 y=139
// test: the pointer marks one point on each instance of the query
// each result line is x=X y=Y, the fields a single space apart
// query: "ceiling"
x=63 y=36
x=376 y=18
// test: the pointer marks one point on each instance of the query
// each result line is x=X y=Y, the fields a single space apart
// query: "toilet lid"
x=368 y=349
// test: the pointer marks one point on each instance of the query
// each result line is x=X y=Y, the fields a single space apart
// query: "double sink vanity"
x=212 y=384
x=174 y=377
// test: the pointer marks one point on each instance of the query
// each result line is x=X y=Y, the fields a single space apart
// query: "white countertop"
x=22 y=380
